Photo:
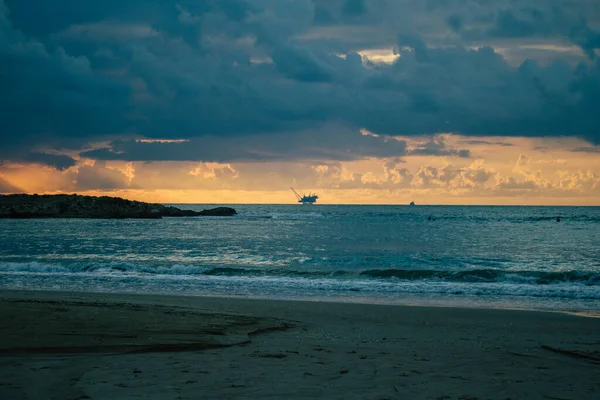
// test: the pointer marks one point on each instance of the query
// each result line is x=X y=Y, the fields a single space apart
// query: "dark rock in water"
x=74 y=206
x=219 y=212
x=213 y=212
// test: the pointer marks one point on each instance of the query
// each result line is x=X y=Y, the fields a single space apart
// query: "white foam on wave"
x=113 y=268
x=191 y=279
x=33 y=266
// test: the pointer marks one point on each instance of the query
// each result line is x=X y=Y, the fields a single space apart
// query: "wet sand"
x=96 y=346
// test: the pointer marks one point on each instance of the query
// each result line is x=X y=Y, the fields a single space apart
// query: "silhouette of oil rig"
x=311 y=198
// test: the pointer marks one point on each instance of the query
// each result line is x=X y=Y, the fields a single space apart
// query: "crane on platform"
x=311 y=198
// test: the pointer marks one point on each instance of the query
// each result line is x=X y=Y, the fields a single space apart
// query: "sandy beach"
x=57 y=345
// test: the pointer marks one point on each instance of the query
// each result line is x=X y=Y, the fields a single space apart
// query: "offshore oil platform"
x=311 y=198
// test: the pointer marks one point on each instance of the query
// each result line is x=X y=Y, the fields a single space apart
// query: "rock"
x=213 y=212
x=219 y=212
x=74 y=206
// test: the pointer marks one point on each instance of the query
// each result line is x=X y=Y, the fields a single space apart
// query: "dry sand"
x=99 y=346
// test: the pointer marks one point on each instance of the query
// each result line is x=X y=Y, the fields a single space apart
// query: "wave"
x=489 y=275
x=588 y=278
x=293 y=287
x=392 y=284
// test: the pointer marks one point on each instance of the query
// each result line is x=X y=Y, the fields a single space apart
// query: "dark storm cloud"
x=562 y=19
x=486 y=142
x=57 y=161
x=437 y=147
x=328 y=143
x=48 y=94
x=10 y=152
x=263 y=73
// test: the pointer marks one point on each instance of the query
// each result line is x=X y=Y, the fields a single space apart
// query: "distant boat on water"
x=412 y=203
x=311 y=198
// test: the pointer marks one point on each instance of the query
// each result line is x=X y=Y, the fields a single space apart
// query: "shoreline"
x=438 y=301
x=154 y=346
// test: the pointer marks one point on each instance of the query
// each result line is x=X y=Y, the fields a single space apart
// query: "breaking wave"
x=489 y=275
x=492 y=285
x=465 y=276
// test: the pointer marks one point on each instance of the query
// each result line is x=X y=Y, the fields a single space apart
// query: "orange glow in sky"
x=499 y=171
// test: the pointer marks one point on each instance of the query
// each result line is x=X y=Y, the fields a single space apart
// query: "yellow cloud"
x=499 y=171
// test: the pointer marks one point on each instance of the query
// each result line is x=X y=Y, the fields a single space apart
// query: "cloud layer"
x=187 y=69
x=313 y=81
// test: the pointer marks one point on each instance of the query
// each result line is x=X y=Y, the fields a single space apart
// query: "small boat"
x=412 y=203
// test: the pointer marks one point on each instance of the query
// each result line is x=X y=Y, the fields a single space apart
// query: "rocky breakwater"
x=75 y=206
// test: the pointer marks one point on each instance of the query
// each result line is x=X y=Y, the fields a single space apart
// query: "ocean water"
x=499 y=257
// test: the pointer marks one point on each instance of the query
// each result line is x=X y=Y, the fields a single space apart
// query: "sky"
x=360 y=101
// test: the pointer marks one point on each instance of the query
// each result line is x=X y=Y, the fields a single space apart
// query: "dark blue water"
x=516 y=257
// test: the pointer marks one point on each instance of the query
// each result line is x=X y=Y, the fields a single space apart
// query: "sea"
x=459 y=256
